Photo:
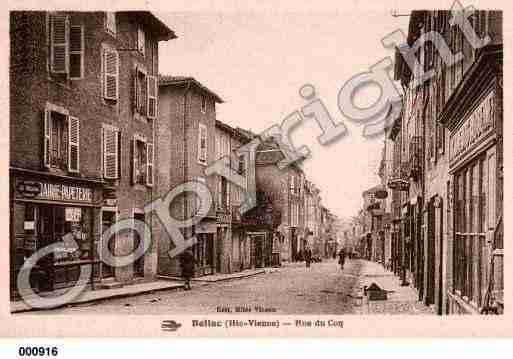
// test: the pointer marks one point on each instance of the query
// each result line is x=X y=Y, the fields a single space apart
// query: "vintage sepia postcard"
x=295 y=169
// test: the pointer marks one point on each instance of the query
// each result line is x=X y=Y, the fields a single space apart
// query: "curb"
x=242 y=276
x=85 y=301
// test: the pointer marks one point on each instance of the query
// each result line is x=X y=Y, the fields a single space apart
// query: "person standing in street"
x=342 y=258
x=308 y=256
x=187 y=264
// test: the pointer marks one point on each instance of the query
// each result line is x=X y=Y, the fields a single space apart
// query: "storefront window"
x=470 y=219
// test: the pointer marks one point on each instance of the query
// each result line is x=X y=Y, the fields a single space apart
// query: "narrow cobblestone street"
x=292 y=289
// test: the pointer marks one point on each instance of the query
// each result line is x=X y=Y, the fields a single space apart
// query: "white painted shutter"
x=141 y=41
x=134 y=161
x=73 y=144
x=110 y=153
x=59 y=43
x=111 y=72
x=110 y=22
x=149 y=164
x=136 y=91
x=76 y=52
x=202 y=144
x=47 y=140
x=152 y=96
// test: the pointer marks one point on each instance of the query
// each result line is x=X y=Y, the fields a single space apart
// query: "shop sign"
x=478 y=125
x=29 y=189
x=73 y=214
x=28 y=225
x=110 y=202
x=54 y=191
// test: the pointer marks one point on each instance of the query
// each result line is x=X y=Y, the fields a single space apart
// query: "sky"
x=257 y=62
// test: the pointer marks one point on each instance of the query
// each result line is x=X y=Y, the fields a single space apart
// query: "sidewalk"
x=400 y=300
x=162 y=283
x=90 y=295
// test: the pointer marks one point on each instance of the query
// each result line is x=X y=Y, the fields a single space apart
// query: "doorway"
x=108 y=219
x=139 y=263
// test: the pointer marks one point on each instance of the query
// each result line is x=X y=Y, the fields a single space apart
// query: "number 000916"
x=38 y=351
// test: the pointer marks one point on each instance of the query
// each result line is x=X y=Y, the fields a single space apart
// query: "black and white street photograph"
x=249 y=165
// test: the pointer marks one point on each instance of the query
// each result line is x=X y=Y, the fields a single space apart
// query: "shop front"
x=475 y=170
x=207 y=250
x=47 y=210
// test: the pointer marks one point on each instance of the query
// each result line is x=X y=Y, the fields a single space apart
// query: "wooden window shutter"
x=73 y=144
x=149 y=164
x=47 y=125
x=202 y=144
x=152 y=96
x=199 y=143
x=76 y=52
x=134 y=161
x=59 y=26
x=111 y=72
x=141 y=41
x=136 y=90
x=143 y=95
x=110 y=22
x=110 y=153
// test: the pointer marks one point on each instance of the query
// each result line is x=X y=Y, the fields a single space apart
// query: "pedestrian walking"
x=342 y=258
x=308 y=256
x=187 y=263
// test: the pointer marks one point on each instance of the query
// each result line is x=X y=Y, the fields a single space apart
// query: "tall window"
x=145 y=93
x=203 y=103
x=66 y=46
x=110 y=74
x=111 y=156
x=142 y=162
x=469 y=246
x=202 y=144
x=61 y=141
x=141 y=41
x=110 y=22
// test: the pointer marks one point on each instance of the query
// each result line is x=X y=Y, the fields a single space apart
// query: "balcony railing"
x=399 y=179
x=223 y=215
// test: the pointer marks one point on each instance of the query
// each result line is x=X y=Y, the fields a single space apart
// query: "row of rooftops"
x=267 y=147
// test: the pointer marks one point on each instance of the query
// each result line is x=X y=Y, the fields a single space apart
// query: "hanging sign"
x=73 y=214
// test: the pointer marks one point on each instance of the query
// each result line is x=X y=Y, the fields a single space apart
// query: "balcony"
x=399 y=179
x=223 y=215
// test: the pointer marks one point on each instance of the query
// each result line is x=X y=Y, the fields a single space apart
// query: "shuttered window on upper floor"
x=110 y=74
x=59 y=28
x=61 y=141
x=66 y=46
x=152 y=91
x=110 y=22
x=110 y=140
x=145 y=91
x=202 y=144
x=76 y=52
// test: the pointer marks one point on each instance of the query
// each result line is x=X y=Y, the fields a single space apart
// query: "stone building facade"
x=74 y=126
x=186 y=142
x=446 y=182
